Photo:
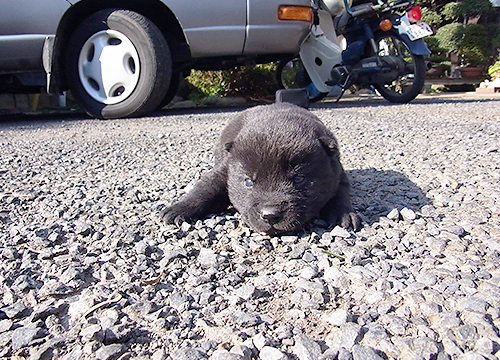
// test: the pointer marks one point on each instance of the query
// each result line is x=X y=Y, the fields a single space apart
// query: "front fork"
x=371 y=38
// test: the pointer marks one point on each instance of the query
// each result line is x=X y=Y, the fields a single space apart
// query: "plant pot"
x=471 y=71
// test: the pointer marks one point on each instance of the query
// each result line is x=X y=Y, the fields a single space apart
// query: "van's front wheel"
x=118 y=64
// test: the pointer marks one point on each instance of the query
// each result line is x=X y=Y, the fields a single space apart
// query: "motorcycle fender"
x=319 y=55
x=417 y=47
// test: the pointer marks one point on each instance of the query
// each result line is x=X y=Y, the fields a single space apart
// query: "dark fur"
x=279 y=166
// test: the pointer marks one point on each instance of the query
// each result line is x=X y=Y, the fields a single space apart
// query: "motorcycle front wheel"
x=408 y=85
x=291 y=74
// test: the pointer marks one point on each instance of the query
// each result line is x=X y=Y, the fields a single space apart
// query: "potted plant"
x=469 y=43
x=473 y=50
x=439 y=59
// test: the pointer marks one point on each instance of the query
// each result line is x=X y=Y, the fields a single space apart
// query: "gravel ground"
x=88 y=271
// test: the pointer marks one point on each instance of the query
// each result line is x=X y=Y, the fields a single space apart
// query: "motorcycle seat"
x=341 y=21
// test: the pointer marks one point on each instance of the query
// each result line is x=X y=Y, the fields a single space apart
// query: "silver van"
x=123 y=58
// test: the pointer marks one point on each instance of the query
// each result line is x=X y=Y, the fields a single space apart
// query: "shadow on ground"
x=375 y=193
x=353 y=101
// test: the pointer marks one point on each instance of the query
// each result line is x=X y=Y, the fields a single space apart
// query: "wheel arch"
x=155 y=10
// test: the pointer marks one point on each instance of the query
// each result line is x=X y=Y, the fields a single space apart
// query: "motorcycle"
x=367 y=45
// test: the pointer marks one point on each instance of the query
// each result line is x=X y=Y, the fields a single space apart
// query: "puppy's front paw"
x=350 y=220
x=176 y=214
x=347 y=219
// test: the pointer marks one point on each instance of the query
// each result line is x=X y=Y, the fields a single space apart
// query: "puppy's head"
x=282 y=169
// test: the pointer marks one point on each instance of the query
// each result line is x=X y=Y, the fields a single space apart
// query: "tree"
x=469 y=28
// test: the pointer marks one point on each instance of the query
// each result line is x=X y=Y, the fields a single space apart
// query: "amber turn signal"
x=292 y=12
x=385 y=25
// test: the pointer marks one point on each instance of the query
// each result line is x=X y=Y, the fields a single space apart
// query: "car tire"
x=172 y=90
x=118 y=64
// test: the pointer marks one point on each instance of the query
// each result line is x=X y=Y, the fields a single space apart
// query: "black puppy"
x=279 y=166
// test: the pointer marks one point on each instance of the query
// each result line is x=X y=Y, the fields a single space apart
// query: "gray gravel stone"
x=82 y=228
x=344 y=354
x=110 y=352
x=422 y=347
x=208 y=258
x=484 y=346
x=270 y=353
x=225 y=355
x=75 y=354
x=408 y=214
x=351 y=334
x=338 y=317
x=474 y=304
x=360 y=352
x=305 y=348
x=159 y=355
x=92 y=332
x=5 y=325
x=393 y=214
x=45 y=353
x=260 y=341
x=340 y=232
x=245 y=319
x=16 y=310
x=242 y=350
x=188 y=353
x=22 y=336
x=471 y=356
x=374 y=334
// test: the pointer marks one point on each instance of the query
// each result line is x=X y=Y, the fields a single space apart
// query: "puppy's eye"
x=299 y=179
x=248 y=183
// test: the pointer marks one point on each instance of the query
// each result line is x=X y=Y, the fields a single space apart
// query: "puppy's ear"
x=228 y=146
x=330 y=145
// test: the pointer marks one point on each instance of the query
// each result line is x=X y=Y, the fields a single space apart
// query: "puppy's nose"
x=271 y=215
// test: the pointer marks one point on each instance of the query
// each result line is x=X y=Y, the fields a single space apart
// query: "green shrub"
x=475 y=44
x=473 y=8
x=450 y=36
x=451 y=11
x=493 y=31
x=494 y=68
x=248 y=81
x=438 y=54
x=210 y=83
x=465 y=8
x=471 y=42
x=431 y=17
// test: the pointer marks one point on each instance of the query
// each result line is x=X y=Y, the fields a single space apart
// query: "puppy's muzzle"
x=272 y=215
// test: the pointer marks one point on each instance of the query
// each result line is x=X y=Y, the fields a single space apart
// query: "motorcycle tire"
x=408 y=86
x=291 y=74
x=118 y=64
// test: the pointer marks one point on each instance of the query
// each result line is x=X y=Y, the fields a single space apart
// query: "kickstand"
x=347 y=84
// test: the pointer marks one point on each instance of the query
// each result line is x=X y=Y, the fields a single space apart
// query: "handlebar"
x=381 y=7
